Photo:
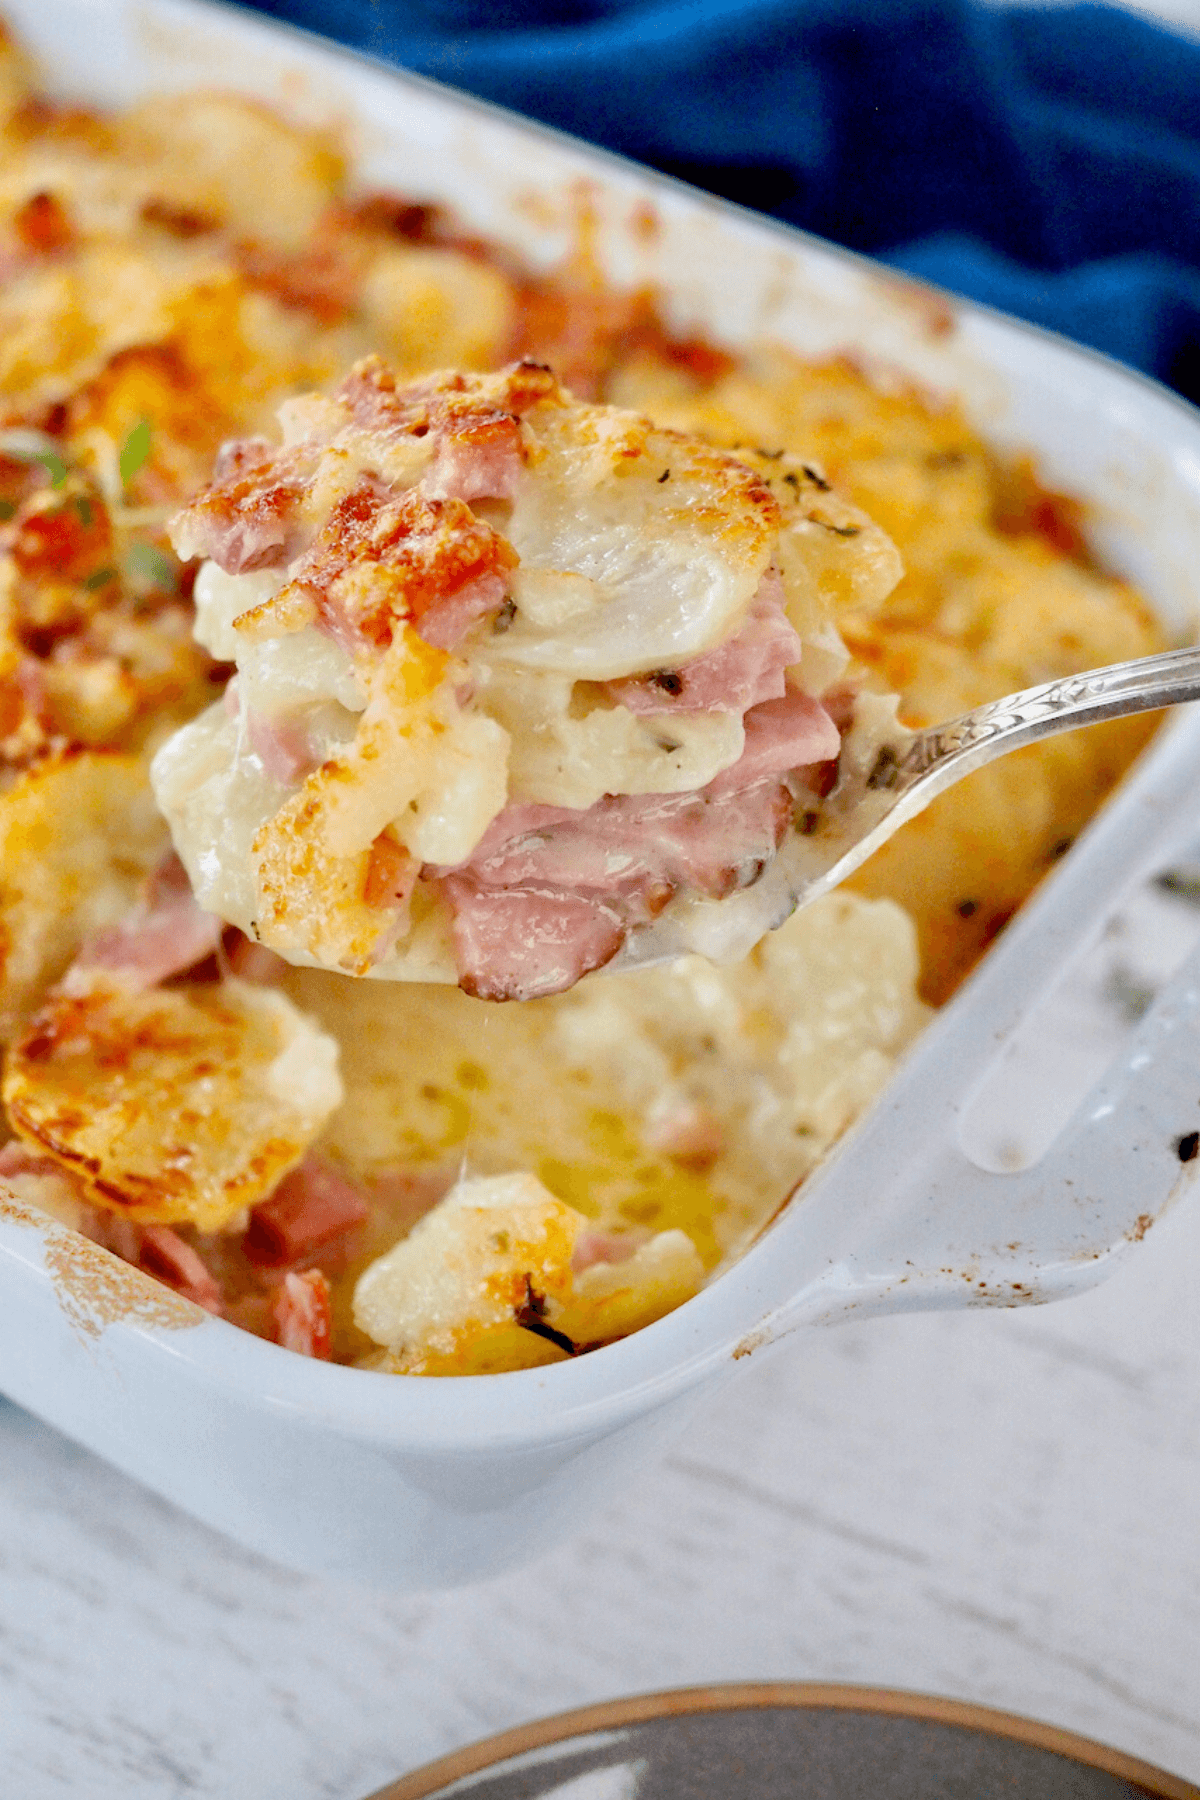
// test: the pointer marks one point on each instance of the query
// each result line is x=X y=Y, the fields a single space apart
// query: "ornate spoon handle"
x=910 y=772
x=945 y=753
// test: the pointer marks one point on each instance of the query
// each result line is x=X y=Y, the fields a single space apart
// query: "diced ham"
x=440 y=406
x=781 y=735
x=690 y=1133
x=405 y=1195
x=253 y=962
x=16 y=1158
x=447 y=622
x=592 y=1247
x=163 y=1254
x=302 y=1315
x=549 y=894
x=523 y=943
x=477 y=460
x=157 y=1251
x=316 y=280
x=309 y=1207
x=425 y=556
x=281 y=743
x=164 y=935
x=249 y=518
x=739 y=674
x=629 y=844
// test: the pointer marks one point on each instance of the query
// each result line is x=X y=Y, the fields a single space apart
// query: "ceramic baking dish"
x=420 y=1482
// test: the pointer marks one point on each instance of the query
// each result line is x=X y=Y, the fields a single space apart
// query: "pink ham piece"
x=628 y=844
x=164 y=935
x=405 y=1195
x=739 y=674
x=549 y=893
x=592 y=1247
x=17 y=1159
x=690 y=1133
x=162 y=1253
x=154 y=1249
x=309 y=1207
x=249 y=518
x=447 y=621
x=302 y=1315
x=524 y=943
x=477 y=461
x=281 y=744
x=781 y=736
x=383 y=560
x=254 y=962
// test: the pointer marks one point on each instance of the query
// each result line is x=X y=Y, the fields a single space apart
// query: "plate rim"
x=737 y=1696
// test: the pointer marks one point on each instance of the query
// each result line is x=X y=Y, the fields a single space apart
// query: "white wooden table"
x=1002 y=1507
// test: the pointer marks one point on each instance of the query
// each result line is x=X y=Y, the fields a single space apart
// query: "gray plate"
x=781 y=1741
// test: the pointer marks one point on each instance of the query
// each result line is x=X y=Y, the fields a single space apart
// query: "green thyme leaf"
x=134 y=451
x=27 y=446
x=101 y=577
x=146 y=562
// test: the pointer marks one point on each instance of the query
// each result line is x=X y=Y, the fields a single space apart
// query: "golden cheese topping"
x=172 y=1104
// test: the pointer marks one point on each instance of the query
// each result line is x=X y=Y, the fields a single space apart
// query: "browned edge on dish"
x=611 y=1715
x=94 y=1288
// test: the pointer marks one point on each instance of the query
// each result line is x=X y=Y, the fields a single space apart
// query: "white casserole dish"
x=421 y=1483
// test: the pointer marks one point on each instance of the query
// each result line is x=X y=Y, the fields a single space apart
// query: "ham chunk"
x=381 y=561
x=163 y=1254
x=311 y=1205
x=303 y=1315
x=551 y=894
x=164 y=935
x=250 y=517
x=738 y=675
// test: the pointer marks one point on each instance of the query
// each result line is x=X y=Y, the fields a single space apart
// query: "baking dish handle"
x=956 y=1234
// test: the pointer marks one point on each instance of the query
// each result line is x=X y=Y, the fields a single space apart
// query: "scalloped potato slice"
x=234 y=159
x=670 y=537
x=78 y=836
x=428 y=307
x=485 y=1282
x=448 y=1298
x=182 y=1103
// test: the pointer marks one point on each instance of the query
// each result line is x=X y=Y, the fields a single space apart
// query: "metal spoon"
x=890 y=774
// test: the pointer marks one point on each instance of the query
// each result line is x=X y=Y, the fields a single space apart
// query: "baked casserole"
x=404 y=1174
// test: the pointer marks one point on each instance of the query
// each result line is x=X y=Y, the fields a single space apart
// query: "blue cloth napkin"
x=1045 y=160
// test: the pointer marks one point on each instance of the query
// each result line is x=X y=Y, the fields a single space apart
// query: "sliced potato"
x=78 y=836
x=185 y=1103
x=236 y=161
x=485 y=1282
x=431 y=307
